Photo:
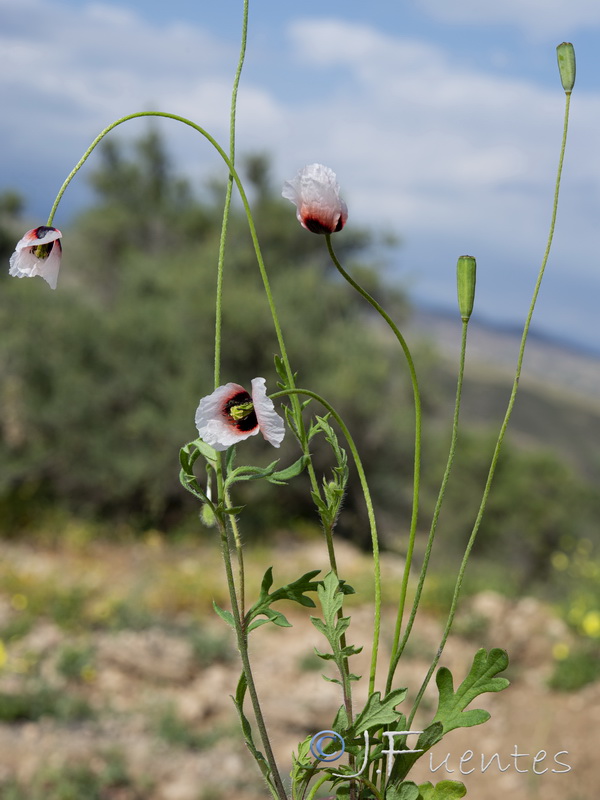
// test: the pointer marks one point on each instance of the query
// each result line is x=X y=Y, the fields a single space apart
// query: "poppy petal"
x=215 y=426
x=271 y=425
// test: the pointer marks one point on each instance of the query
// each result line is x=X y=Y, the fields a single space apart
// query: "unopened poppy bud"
x=565 y=54
x=207 y=515
x=466 y=269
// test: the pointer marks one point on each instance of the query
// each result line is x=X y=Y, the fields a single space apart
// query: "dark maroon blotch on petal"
x=42 y=231
x=247 y=423
x=316 y=226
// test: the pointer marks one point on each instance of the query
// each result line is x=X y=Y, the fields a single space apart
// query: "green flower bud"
x=207 y=516
x=565 y=54
x=465 y=280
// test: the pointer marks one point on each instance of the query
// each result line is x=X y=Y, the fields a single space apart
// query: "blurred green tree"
x=99 y=381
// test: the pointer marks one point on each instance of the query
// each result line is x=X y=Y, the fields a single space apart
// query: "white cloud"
x=536 y=18
x=455 y=159
x=94 y=64
x=421 y=127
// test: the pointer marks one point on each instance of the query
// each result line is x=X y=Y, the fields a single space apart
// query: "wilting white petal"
x=24 y=263
x=316 y=194
x=270 y=423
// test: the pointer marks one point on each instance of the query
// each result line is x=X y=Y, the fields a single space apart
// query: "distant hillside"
x=559 y=395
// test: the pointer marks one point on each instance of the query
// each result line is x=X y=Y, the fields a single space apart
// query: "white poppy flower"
x=38 y=253
x=230 y=415
x=316 y=194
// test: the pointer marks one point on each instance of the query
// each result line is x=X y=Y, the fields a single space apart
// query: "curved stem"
x=505 y=422
x=417 y=458
x=219 y=288
x=370 y=514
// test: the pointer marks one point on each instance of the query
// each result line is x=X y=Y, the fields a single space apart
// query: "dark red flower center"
x=240 y=413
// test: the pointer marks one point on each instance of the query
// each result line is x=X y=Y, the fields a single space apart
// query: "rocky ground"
x=143 y=711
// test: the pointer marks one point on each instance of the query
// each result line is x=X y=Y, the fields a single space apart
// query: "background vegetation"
x=99 y=382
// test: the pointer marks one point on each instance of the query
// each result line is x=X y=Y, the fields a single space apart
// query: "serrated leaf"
x=350 y=650
x=330 y=597
x=294 y=591
x=224 y=614
x=324 y=656
x=445 y=790
x=378 y=712
x=301 y=765
x=276 y=617
x=451 y=705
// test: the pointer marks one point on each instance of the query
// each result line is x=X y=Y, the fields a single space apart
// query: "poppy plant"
x=316 y=195
x=38 y=253
x=230 y=414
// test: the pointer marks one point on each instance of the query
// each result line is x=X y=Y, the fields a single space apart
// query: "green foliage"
x=42 y=701
x=74 y=661
x=451 y=713
x=238 y=700
x=210 y=647
x=481 y=678
x=580 y=667
x=75 y=782
x=444 y=790
x=333 y=626
x=537 y=500
x=100 y=380
x=176 y=732
x=333 y=489
x=294 y=591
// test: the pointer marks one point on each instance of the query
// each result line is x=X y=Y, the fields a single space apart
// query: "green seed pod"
x=466 y=269
x=565 y=54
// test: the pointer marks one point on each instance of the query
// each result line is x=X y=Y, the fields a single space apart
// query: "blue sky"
x=441 y=119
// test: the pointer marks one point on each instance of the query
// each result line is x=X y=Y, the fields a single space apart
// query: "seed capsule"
x=466 y=269
x=565 y=54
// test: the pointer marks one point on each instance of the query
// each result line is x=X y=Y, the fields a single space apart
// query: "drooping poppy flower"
x=316 y=195
x=230 y=414
x=38 y=253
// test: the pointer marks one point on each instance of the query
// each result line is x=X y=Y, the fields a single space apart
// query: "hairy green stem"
x=507 y=416
x=227 y=208
x=242 y=643
x=219 y=289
